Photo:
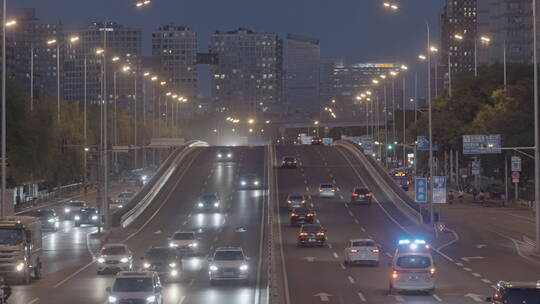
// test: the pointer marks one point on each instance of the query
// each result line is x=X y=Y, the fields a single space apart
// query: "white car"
x=327 y=190
x=413 y=268
x=361 y=251
x=135 y=287
x=184 y=241
x=122 y=199
x=229 y=263
x=114 y=258
x=73 y=207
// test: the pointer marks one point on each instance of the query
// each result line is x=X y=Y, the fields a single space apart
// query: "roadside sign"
x=515 y=177
x=367 y=144
x=482 y=144
x=439 y=189
x=120 y=149
x=423 y=144
x=464 y=172
x=420 y=190
x=516 y=163
x=475 y=167
x=327 y=141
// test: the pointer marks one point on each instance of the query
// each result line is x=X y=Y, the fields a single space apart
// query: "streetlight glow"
x=154 y=78
x=458 y=37
x=168 y=94
x=383 y=76
x=115 y=58
x=52 y=41
x=251 y=121
x=73 y=39
x=404 y=67
x=485 y=39
x=10 y=23
x=422 y=57
x=375 y=81
x=433 y=49
x=126 y=68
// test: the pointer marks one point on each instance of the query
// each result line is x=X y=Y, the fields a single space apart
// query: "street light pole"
x=31 y=77
x=536 y=132
x=504 y=64
x=449 y=75
x=4 y=156
x=475 y=58
x=431 y=215
x=58 y=79
x=85 y=121
x=404 y=117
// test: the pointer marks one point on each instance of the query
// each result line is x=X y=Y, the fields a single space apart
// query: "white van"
x=413 y=268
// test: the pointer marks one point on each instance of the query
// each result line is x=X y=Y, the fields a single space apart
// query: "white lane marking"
x=399 y=298
x=33 y=301
x=335 y=255
x=467 y=269
x=486 y=281
x=456 y=238
x=437 y=298
x=480 y=246
x=356 y=221
x=494 y=287
x=388 y=254
x=305 y=182
x=330 y=246
x=459 y=264
x=351 y=280
x=341 y=197
x=69 y=277
x=342 y=266
x=307 y=189
x=88 y=246
x=363 y=229
x=361 y=296
x=468 y=259
x=350 y=213
x=191 y=282
x=476 y=274
x=318 y=222
x=312 y=205
x=182 y=298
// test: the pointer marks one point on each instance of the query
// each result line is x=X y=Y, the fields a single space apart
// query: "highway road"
x=69 y=270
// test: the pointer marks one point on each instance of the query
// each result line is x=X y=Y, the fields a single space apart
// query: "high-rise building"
x=301 y=70
x=122 y=42
x=508 y=24
x=28 y=37
x=326 y=78
x=459 y=18
x=176 y=47
x=248 y=76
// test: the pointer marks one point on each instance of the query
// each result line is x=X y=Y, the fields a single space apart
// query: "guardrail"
x=400 y=199
x=138 y=204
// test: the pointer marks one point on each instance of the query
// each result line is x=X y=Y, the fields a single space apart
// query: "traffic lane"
x=314 y=274
x=82 y=283
x=454 y=282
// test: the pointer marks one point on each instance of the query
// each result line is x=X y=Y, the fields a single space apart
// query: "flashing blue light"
x=421 y=242
x=404 y=242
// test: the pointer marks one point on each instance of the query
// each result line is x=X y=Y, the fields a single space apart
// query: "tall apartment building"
x=326 y=78
x=124 y=42
x=459 y=17
x=176 y=47
x=28 y=37
x=248 y=76
x=509 y=24
x=301 y=71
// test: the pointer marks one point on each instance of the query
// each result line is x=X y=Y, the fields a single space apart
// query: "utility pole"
x=4 y=154
x=536 y=132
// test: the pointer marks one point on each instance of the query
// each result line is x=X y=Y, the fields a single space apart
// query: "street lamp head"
x=11 y=23
x=363 y=95
x=146 y=74
x=154 y=78
x=251 y=121
x=100 y=51
x=126 y=68
x=163 y=83
x=52 y=41
x=458 y=37
x=115 y=58
x=333 y=101
x=175 y=96
x=368 y=92
x=316 y=122
x=485 y=39
x=168 y=94
x=422 y=57
x=394 y=73
x=404 y=67
x=433 y=49
x=375 y=81
x=74 y=39
x=383 y=76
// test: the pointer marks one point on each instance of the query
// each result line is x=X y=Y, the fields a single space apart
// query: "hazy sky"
x=356 y=30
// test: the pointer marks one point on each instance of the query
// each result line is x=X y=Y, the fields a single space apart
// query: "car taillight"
x=354 y=250
x=333 y=190
x=375 y=250
x=303 y=201
x=289 y=201
x=320 y=233
x=294 y=214
x=303 y=234
x=368 y=194
x=310 y=214
x=355 y=194
x=320 y=190
x=394 y=274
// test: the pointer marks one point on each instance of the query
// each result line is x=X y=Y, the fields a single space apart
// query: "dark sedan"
x=48 y=218
x=86 y=216
x=301 y=215
x=165 y=261
x=312 y=235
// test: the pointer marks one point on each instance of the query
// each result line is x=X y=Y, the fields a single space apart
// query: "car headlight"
x=124 y=260
x=112 y=299
x=94 y=217
x=20 y=266
x=193 y=245
x=174 y=272
x=51 y=220
x=216 y=204
x=101 y=260
x=213 y=268
x=146 y=265
x=151 y=299
x=77 y=218
x=120 y=206
x=244 y=267
x=219 y=155
x=144 y=177
x=200 y=205
x=243 y=183
x=256 y=183
x=229 y=155
x=67 y=210
x=172 y=265
x=171 y=244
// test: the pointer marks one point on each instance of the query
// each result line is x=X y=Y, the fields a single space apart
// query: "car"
x=516 y=293
x=301 y=215
x=250 y=181
x=208 y=202
x=228 y=263
x=312 y=235
x=413 y=268
x=361 y=196
x=224 y=155
x=114 y=257
x=316 y=140
x=296 y=200
x=122 y=199
x=135 y=287
x=289 y=162
x=184 y=241
x=361 y=251
x=86 y=216
x=166 y=261
x=327 y=190
x=48 y=218
x=72 y=207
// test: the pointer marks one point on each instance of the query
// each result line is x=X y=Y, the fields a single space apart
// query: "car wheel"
x=346 y=263
x=99 y=272
x=431 y=291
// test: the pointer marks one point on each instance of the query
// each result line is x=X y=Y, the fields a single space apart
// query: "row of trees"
x=41 y=148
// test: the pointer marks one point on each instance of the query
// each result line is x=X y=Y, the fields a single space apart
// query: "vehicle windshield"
x=296 y=197
x=522 y=296
x=183 y=236
x=133 y=285
x=300 y=210
x=125 y=195
x=311 y=228
x=327 y=186
x=288 y=158
x=88 y=210
x=208 y=198
x=113 y=250
x=414 y=262
x=45 y=213
x=228 y=255
x=160 y=254
x=250 y=177
x=76 y=204
x=363 y=244
x=11 y=236
x=361 y=191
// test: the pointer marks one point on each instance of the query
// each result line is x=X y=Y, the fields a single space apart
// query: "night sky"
x=356 y=30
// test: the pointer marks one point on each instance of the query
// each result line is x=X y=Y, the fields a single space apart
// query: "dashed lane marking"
x=437 y=298
x=486 y=281
x=460 y=264
x=476 y=274
x=342 y=266
x=318 y=222
x=33 y=301
x=356 y=221
x=181 y=300
x=350 y=213
x=399 y=298
x=467 y=269
x=388 y=254
x=361 y=296
x=330 y=246
x=363 y=229
x=335 y=255
x=351 y=280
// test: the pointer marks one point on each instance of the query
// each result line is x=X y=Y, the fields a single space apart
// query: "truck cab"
x=20 y=248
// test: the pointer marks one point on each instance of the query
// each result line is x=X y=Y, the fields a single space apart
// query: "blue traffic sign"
x=420 y=190
x=482 y=144
x=422 y=144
